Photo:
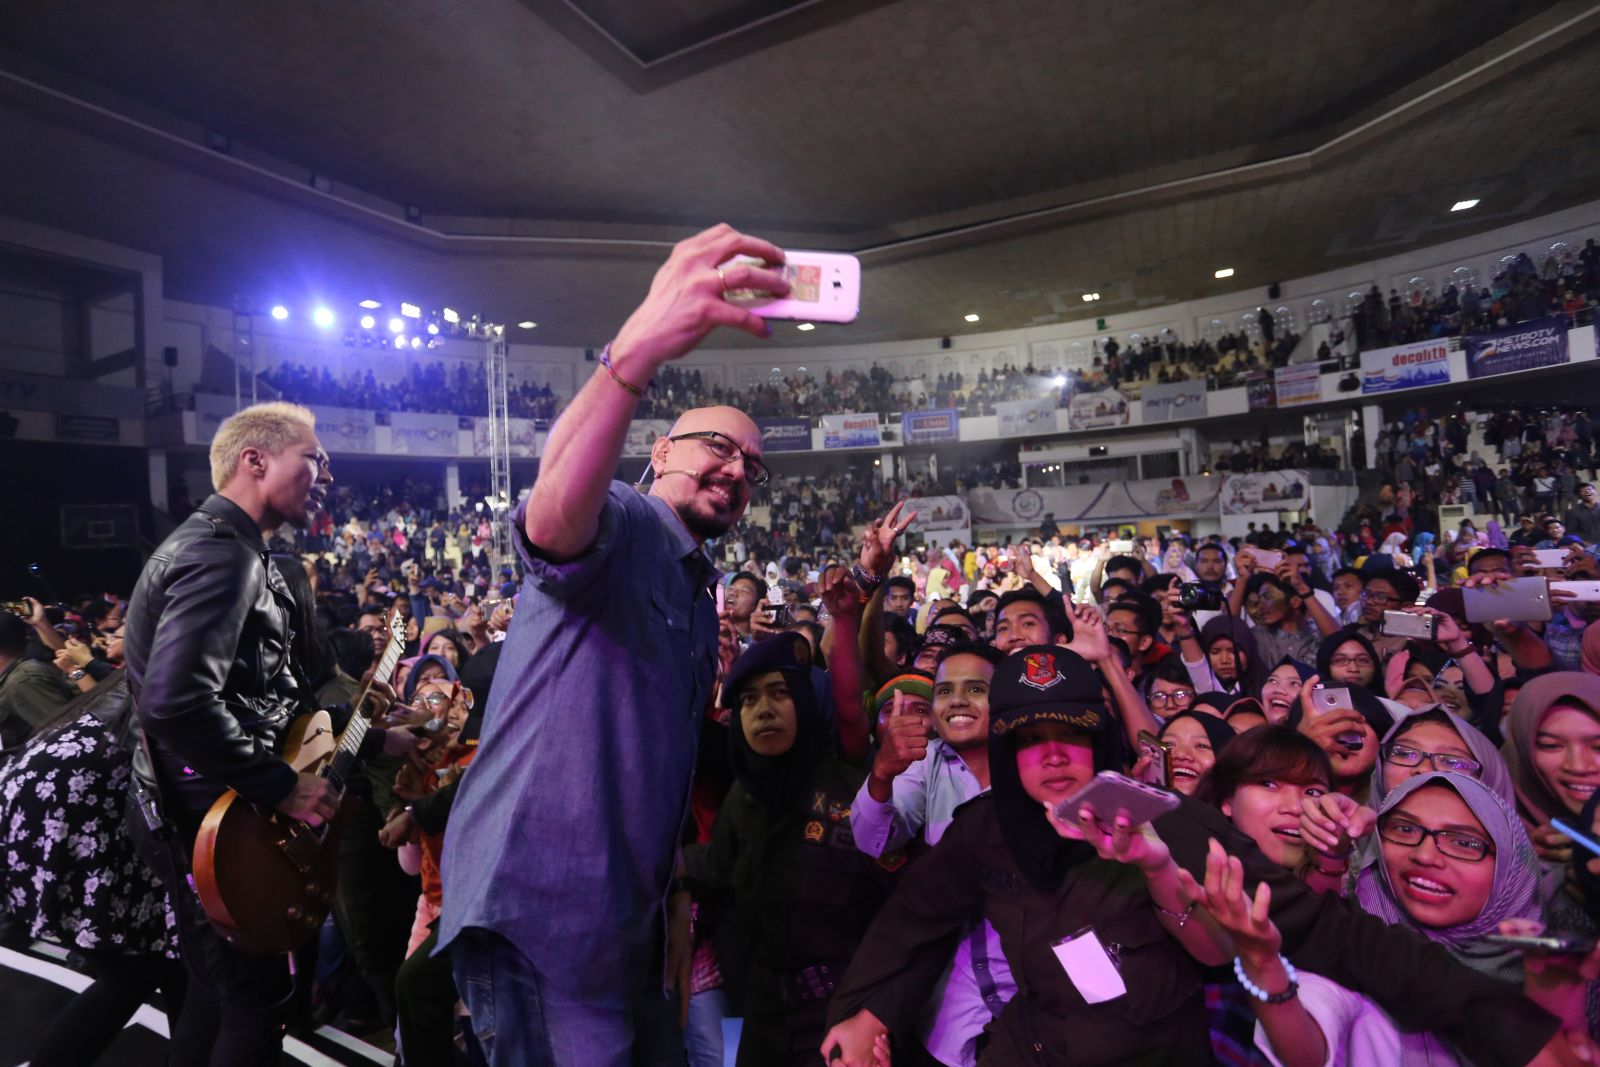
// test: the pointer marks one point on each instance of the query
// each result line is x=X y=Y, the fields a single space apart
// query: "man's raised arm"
x=685 y=304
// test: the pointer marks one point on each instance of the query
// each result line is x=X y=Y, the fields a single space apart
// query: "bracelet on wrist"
x=605 y=361
x=1179 y=917
x=1262 y=995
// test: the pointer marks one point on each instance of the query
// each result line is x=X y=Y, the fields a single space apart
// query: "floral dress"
x=70 y=872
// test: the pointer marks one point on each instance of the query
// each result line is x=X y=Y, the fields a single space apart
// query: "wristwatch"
x=73 y=676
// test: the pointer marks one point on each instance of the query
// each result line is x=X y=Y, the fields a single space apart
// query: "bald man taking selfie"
x=562 y=838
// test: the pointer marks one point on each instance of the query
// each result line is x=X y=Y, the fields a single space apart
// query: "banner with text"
x=928 y=427
x=1244 y=494
x=857 y=430
x=413 y=433
x=1405 y=366
x=346 y=429
x=1152 y=498
x=1018 y=418
x=1540 y=343
x=642 y=434
x=1094 y=411
x=1175 y=400
x=785 y=435
x=941 y=518
x=1298 y=385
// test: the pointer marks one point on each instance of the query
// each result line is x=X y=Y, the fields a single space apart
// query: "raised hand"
x=1331 y=823
x=877 y=547
x=1022 y=562
x=1246 y=920
x=685 y=302
x=841 y=597
x=1089 y=636
x=904 y=741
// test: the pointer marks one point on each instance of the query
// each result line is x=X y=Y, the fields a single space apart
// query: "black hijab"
x=1218 y=732
x=1238 y=631
x=1043 y=684
x=1331 y=643
x=776 y=782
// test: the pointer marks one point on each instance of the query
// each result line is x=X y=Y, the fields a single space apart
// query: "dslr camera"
x=1193 y=596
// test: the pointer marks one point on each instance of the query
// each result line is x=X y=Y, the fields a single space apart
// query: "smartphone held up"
x=824 y=287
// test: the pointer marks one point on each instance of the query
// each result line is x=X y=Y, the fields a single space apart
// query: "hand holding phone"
x=823 y=287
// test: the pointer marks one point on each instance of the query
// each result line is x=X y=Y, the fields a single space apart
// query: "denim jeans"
x=703 y=1036
x=522 y=1020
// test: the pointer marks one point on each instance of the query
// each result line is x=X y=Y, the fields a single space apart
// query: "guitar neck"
x=356 y=730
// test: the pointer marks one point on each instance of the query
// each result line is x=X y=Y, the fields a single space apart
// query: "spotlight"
x=280 y=312
x=411 y=311
x=322 y=317
x=805 y=327
x=397 y=325
x=1225 y=272
x=372 y=305
x=433 y=328
x=416 y=343
x=368 y=322
x=972 y=317
x=452 y=316
x=526 y=324
x=1059 y=380
x=1464 y=205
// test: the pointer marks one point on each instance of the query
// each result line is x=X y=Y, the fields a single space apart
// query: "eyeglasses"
x=1406 y=756
x=723 y=447
x=1452 y=843
x=1379 y=598
x=1124 y=632
x=436 y=699
x=1360 y=662
x=1171 y=696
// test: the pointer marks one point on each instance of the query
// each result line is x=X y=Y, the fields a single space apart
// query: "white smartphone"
x=824 y=287
x=1121 y=548
x=1550 y=559
x=1265 y=559
x=1581 y=591
x=1109 y=792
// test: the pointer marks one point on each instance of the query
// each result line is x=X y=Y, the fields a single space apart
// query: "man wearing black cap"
x=1004 y=859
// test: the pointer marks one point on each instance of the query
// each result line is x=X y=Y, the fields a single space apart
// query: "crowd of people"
x=1303 y=797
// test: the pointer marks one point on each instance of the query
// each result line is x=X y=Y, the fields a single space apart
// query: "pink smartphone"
x=824 y=287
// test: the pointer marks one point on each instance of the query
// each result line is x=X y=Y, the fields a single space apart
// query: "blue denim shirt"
x=565 y=826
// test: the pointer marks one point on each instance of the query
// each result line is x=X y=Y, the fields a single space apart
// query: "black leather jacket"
x=207 y=653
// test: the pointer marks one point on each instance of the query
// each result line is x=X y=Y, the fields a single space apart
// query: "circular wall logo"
x=1027 y=504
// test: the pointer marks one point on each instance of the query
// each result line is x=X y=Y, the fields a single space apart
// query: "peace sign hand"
x=877 y=547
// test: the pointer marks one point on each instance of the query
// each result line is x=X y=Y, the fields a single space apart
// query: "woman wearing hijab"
x=1348 y=658
x=1349 y=735
x=1231 y=663
x=1452 y=864
x=804 y=893
x=1280 y=690
x=1195 y=738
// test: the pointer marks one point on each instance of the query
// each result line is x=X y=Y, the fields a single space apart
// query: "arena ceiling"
x=1000 y=158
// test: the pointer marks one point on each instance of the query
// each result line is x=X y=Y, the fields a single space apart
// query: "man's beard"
x=707 y=526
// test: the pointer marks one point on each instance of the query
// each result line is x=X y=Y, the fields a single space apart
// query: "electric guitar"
x=266 y=879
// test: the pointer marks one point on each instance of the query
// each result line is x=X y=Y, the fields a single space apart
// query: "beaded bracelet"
x=605 y=361
x=1261 y=994
x=865 y=580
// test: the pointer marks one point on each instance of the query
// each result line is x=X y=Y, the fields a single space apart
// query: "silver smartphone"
x=1109 y=793
x=1406 y=624
x=1518 y=600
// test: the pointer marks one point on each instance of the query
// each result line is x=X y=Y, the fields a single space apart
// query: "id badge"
x=1089 y=966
